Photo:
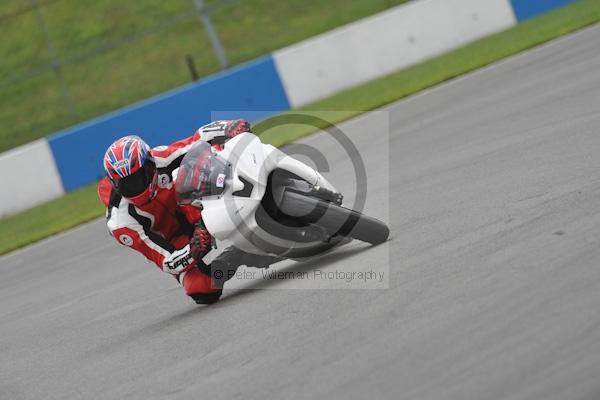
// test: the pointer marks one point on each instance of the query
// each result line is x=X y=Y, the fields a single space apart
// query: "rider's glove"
x=201 y=242
x=179 y=261
x=235 y=127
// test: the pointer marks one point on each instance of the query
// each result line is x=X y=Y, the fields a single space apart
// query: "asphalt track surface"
x=494 y=292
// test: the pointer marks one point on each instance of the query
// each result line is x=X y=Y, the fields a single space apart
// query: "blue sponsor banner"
x=253 y=87
x=525 y=9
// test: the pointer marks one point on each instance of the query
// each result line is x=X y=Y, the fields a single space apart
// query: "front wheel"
x=335 y=219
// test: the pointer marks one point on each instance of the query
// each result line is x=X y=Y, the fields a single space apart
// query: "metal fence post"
x=212 y=34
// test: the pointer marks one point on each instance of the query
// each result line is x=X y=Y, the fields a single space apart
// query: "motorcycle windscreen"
x=202 y=173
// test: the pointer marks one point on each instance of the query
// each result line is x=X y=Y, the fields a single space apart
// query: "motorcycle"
x=268 y=203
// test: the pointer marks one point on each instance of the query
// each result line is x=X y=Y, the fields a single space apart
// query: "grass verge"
x=83 y=205
x=112 y=53
x=49 y=218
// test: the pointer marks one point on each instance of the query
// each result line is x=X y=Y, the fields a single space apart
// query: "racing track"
x=495 y=270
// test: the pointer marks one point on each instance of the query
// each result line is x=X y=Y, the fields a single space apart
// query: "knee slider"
x=206 y=298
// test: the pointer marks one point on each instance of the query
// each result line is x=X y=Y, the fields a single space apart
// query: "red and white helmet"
x=129 y=165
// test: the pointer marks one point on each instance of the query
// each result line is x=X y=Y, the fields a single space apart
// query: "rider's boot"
x=225 y=265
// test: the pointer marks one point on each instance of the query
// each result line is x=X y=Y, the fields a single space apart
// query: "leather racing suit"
x=161 y=229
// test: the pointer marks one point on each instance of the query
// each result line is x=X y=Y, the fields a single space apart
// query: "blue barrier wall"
x=525 y=9
x=252 y=87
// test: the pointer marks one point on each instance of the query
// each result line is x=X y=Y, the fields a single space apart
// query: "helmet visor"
x=134 y=184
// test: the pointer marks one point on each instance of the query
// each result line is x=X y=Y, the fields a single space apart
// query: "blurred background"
x=66 y=61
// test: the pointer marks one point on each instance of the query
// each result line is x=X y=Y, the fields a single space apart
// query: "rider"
x=142 y=212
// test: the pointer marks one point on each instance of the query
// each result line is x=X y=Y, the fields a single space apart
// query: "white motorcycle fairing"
x=232 y=215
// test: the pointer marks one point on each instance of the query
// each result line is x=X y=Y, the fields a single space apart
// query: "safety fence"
x=288 y=78
x=66 y=61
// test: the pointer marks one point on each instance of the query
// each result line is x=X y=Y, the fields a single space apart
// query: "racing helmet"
x=130 y=167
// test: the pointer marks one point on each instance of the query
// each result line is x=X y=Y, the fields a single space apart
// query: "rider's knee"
x=206 y=298
x=200 y=287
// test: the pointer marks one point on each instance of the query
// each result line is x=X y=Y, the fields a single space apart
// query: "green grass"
x=55 y=216
x=158 y=34
x=83 y=205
